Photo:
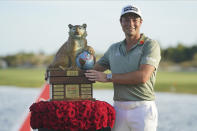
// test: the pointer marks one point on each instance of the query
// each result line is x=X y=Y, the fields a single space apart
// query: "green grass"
x=178 y=82
x=22 y=77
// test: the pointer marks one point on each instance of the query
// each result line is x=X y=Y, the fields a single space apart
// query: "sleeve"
x=104 y=60
x=151 y=54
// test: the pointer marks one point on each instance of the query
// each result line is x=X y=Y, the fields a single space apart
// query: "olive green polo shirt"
x=118 y=60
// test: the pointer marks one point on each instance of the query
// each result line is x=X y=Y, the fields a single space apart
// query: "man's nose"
x=131 y=22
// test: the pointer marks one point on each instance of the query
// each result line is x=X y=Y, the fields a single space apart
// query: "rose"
x=72 y=115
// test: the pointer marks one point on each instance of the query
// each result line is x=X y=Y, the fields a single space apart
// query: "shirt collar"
x=139 y=43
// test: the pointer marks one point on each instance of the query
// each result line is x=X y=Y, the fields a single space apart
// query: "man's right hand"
x=94 y=75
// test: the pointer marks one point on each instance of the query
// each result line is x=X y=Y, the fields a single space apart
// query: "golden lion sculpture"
x=76 y=43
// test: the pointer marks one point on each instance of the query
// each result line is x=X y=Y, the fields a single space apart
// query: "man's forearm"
x=98 y=67
x=137 y=77
x=128 y=78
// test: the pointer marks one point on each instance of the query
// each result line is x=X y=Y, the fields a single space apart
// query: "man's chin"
x=130 y=34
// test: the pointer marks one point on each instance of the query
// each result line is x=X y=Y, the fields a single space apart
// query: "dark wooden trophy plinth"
x=69 y=85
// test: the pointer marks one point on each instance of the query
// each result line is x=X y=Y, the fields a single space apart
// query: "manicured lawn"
x=32 y=77
x=179 y=82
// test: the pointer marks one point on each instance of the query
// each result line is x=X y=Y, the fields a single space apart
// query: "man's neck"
x=132 y=40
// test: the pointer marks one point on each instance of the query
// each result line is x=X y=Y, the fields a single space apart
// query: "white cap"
x=131 y=9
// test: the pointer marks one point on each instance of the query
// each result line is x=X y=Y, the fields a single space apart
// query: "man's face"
x=131 y=24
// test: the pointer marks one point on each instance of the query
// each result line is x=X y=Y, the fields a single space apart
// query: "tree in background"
x=23 y=59
x=179 y=54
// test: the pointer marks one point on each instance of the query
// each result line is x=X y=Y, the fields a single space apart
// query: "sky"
x=42 y=26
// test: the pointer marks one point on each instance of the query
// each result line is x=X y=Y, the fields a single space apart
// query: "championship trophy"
x=66 y=73
x=71 y=106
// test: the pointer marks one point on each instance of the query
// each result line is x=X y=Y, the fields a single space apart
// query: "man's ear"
x=70 y=26
x=141 y=20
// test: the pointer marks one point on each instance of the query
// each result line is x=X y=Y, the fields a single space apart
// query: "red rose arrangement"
x=72 y=115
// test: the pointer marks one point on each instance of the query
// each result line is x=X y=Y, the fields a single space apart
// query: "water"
x=14 y=104
x=177 y=112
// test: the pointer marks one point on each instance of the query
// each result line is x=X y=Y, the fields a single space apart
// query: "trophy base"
x=73 y=99
x=103 y=129
x=72 y=116
x=69 y=85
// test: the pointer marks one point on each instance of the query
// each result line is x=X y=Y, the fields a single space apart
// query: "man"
x=133 y=63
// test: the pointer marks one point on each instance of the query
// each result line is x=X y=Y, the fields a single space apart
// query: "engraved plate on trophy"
x=86 y=85
x=86 y=91
x=58 y=97
x=58 y=87
x=72 y=73
x=86 y=96
x=72 y=91
x=58 y=92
